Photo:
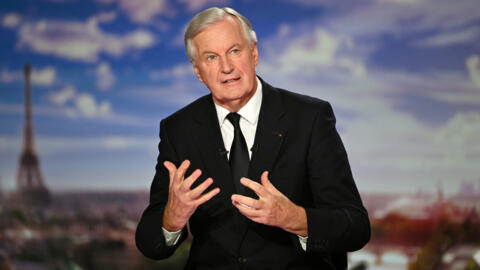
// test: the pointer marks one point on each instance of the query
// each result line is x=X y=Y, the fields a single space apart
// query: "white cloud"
x=451 y=37
x=461 y=133
x=105 y=77
x=51 y=145
x=175 y=73
x=63 y=96
x=355 y=67
x=89 y=107
x=312 y=52
x=178 y=93
x=389 y=146
x=142 y=11
x=43 y=76
x=371 y=19
x=80 y=41
x=104 y=17
x=80 y=104
x=11 y=20
x=196 y=5
x=473 y=67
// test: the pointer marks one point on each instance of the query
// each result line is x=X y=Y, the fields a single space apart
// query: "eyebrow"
x=231 y=47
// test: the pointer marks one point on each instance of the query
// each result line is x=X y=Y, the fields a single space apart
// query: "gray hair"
x=210 y=16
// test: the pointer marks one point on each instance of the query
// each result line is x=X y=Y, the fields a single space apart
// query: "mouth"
x=231 y=80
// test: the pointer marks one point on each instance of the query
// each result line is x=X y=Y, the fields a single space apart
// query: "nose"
x=226 y=65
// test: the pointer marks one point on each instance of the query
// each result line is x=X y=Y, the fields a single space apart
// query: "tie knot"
x=234 y=118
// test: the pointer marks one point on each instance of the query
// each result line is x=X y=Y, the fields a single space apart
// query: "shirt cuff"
x=303 y=242
x=171 y=238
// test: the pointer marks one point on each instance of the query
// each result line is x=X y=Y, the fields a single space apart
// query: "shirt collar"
x=249 y=111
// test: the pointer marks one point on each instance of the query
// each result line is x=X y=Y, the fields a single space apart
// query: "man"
x=259 y=173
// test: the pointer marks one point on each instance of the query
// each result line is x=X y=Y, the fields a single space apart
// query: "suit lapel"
x=271 y=131
x=208 y=138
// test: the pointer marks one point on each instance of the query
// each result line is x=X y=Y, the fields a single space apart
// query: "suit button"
x=242 y=260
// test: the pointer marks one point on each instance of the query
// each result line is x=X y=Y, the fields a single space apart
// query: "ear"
x=196 y=70
x=255 y=53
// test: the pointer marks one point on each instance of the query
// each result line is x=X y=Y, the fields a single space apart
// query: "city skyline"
x=403 y=78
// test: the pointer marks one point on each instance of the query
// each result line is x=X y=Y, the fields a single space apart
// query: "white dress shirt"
x=248 y=124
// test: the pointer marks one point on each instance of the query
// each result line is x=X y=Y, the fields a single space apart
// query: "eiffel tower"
x=30 y=186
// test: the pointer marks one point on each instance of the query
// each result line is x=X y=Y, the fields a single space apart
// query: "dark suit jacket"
x=296 y=141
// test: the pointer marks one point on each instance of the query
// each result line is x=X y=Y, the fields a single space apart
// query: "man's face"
x=225 y=63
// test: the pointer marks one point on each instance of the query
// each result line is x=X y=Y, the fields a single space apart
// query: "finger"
x=187 y=183
x=180 y=174
x=250 y=213
x=171 y=170
x=246 y=201
x=208 y=196
x=266 y=182
x=256 y=187
x=197 y=192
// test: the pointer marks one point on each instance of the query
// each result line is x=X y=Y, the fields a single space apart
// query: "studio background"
x=403 y=77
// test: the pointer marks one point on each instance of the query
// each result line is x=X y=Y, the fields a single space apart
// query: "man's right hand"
x=183 y=201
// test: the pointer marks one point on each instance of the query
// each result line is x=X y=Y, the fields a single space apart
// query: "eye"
x=211 y=57
x=235 y=51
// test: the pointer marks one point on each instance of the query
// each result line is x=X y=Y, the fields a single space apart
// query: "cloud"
x=78 y=104
x=461 y=132
x=105 y=77
x=11 y=20
x=80 y=41
x=142 y=11
x=89 y=107
x=451 y=37
x=175 y=73
x=311 y=52
x=75 y=105
x=389 y=146
x=63 y=96
x=176 y=95
x=473 y=67
x=196 y=5
x=53 y=145
x=370 y=19
x=42 y=77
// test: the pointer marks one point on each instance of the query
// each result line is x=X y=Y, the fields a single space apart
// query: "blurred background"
x=403 y=77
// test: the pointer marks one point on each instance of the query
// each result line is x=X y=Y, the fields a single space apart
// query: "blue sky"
x=403 y=77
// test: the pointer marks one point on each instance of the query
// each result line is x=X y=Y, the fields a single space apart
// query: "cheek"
x=211 y=73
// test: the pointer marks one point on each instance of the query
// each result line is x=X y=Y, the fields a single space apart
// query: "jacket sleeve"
x=149 y=235
x=338 y=222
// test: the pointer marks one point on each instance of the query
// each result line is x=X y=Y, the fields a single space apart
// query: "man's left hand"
x=272 y=207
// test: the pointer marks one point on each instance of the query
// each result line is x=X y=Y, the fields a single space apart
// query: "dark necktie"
x=239 y=158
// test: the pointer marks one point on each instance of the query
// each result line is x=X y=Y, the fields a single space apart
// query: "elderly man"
x=258 y=173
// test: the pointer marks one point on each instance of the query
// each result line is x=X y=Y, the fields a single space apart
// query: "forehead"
x=216 y=36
